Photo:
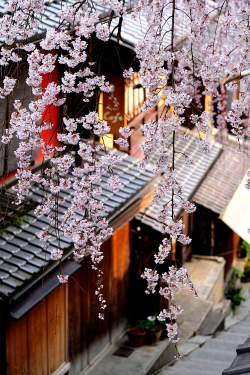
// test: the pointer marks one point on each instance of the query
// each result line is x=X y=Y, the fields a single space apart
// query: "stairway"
x=210 y=356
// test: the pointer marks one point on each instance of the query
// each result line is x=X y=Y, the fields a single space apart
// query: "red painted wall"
x=51 y=114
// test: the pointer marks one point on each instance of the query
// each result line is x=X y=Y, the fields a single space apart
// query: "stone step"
x=213 y=355
x=242 y=328
x=198 y=339
x=214 y=322
x=220 y=344
x=199 y=365
x=146 y=359
x=243 y=323
x=173 y=371
x=235 y=337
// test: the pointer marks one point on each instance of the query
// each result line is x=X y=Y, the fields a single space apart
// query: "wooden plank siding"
x=56 y=328
x=98 y=335
x=67 y=319
x=38 y=338
x=120 y=258
x=36 y=343
x=77 y=328
x=17 y=346
x=89 y=335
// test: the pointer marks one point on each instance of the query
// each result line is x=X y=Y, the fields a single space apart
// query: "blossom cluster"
x=175 y=279
x=216 y=44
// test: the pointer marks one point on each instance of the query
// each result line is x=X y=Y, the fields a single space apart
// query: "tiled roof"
x=240 y=364
x=51 y=14
x=190 y=176
x=22 y=256
x=132 y=30
x=223 y=179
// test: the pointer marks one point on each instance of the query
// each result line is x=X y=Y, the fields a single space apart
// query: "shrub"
x=233 y=291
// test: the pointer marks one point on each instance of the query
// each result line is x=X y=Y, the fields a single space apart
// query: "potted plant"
x=151 y=327
x=136 y=334
x=154 y=329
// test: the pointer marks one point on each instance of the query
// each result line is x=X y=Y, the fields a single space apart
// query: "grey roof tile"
x=16 y=261
x=24 y=255
x=13 y=230
x=6 y=290
x=33 y=249
x=107 y=192
x=11 y=248
x=24 y=225
x=117 y=199
x=63 y=244
x=37 y=262
x=21 y=275
x=4 y=255
x=137 y=182
x=26 y=235
x=31 y=216
x=7 y=236
x=121 y=168
x=2 y=242
x=3 y=275
x=37 y=242
x=18 y=242
x=13 y=282
x=30 y=268
x=123 y=194
x=127 y=178
x=10 y=268
x=65 y=204
x=65 y=239
x=128 y=189
x=65 y=194
x=35 y=228
x=190 y=176
x=44 y=255
x=125 y=181
x=36 y=197
x=223 y=179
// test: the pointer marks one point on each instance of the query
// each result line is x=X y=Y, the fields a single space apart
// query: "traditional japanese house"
x=147 y=234
x=213 y=234
x=55 y=329
x=47 y=328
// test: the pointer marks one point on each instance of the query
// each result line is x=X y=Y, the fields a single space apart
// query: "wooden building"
x=211 y=233
x=190 y=176
x=53 y=329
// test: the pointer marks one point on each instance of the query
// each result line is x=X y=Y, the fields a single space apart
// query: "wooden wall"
x=88 y=335
x=36 y=343
x=67 y=319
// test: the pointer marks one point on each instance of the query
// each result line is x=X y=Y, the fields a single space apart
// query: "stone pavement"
x=208 y=277
x=206 y=355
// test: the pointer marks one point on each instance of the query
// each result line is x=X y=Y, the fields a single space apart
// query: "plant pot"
x=136 y=336
x=153 y=335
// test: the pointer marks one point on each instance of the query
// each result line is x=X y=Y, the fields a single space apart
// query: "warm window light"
x=208 y=105
x=108 y=140
x=100 y=106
